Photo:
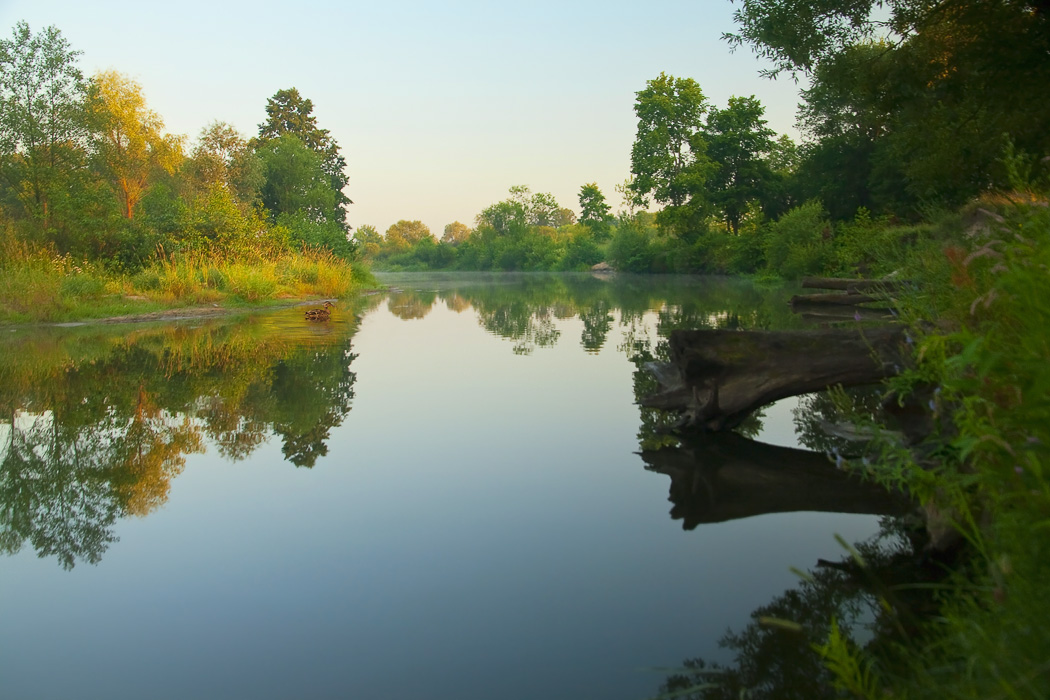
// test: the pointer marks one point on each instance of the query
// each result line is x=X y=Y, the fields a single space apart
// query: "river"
x=439 y=493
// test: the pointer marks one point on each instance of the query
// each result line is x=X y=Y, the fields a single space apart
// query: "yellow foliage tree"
x=154 y=451
x=129 y=137
x=405 y=234
x=456 y=233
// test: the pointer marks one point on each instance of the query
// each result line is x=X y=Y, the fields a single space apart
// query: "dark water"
x=437 y=494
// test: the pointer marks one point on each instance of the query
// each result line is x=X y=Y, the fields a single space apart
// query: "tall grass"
x=982 y=367
x=37 y=284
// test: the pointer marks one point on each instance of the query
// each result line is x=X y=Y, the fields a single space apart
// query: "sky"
x=439 y=107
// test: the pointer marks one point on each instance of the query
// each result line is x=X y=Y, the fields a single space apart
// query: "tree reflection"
x=874 y=598
x=98 y=422
x=524 y=308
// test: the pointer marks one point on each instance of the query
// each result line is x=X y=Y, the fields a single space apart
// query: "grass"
x=38 y=285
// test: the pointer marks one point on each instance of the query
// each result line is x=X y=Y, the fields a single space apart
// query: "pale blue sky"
x=439 y=107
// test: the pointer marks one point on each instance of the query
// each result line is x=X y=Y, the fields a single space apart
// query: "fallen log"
x=855 y=285
x=840 y=314
x=835 y=299
x=716 y=378
x=724 y=476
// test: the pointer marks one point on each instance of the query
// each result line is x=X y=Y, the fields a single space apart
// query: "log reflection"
x=723 y=476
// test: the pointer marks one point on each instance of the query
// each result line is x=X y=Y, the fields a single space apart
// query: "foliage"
x=129 y=139
x=737 y=142
x=41 y=123
x=668 y=158
x=798 y=243
x=908 y=104
x=455 y=233
x=594 y=211
x=289 y=114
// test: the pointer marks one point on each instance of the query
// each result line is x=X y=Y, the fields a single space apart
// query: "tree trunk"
x=716 y=378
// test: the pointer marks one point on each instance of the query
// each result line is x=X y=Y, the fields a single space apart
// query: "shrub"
x=799 y=243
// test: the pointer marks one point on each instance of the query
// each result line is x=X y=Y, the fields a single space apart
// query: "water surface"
x=438 y=494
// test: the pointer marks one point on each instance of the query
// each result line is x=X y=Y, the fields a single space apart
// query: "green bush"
x=799 y=243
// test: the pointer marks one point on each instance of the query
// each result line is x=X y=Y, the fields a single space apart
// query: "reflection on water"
x=724 y=476
x=471 y=499
x=99 y=420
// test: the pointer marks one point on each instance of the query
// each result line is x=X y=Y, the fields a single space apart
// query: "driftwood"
x=855 y=285
x=725 y=476
x=716 y=378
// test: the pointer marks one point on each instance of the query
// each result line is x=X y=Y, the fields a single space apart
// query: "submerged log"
x=854 y=285
x=724 y=476
x=850 y=299
x=842 y=314
x=716 y=378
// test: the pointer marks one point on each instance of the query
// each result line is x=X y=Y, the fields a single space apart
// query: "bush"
x=799 y=243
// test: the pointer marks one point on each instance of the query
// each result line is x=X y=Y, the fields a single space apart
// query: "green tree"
x=368 y=239
x=288 y=113
x=668 y=159
x=42 y=127
x=594 y=211
x=916 y=93
x=295 y=181
x=222 y=157
x=738 y=142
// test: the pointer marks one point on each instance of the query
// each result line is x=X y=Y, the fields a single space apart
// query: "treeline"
x=88 y=170
x=908 y=114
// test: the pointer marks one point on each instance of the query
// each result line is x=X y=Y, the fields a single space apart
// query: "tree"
x=738 y=141
x=368 y=240
x=456 y=233
x=594 y=211
x=288 y=113
x=222 y=157
x=917 y=93
x=129 y=137
x=42 y=129
x=295 y=182
x=406 y=234
x=667 y=158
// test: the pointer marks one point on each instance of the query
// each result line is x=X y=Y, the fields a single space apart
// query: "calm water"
x=438 y=494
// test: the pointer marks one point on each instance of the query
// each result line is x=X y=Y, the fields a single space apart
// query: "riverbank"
x=42 y=287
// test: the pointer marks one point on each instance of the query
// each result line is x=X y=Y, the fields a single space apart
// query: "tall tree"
x=594 y=210
x=668 y=159
x=738 y=142
x=42 y=129
x=129 y=137
x=287 y=112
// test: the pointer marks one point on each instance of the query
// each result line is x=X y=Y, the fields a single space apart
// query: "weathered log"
x=835 y=299
x=854 y=285
x=833 y=314
x=724 y=476
x=716 y=378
